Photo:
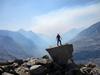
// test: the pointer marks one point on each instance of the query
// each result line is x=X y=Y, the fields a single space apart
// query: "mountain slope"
x=71 y=34
x=87 y=43
x=40 y=42
x=15 y=45
x=9 y=49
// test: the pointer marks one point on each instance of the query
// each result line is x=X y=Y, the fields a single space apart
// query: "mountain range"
x=20 y=44
x=23 y=44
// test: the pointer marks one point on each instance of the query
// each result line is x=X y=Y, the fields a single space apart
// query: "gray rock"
x=22 y=70
x=6 y=73
x=1 y=70
x=38 y=70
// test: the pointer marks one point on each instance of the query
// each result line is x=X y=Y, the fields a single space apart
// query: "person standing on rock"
x=58 y=37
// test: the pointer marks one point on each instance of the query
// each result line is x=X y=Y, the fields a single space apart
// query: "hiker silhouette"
x=58 y=37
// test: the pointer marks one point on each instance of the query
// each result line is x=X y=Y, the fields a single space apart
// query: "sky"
x=48 y=17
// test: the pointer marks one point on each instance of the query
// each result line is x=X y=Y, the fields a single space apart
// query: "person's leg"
x=60 y=42
x=57 y=42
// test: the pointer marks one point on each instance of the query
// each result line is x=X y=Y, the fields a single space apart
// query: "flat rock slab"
x=61 y=54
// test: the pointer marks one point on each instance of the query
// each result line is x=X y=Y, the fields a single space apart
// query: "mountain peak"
x=21 y=30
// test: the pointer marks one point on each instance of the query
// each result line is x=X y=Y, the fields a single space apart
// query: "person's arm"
x=60 y=37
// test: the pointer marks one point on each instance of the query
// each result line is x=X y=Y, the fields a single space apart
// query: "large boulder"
x=61 y=54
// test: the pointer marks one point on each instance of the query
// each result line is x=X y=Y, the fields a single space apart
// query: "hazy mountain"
x=71 y=34
x=40 y=41
x=18 y=44
x=9 y=49
x=87 y=43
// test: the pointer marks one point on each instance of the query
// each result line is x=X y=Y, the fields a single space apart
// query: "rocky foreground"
x=46 y=66
x=60 y=64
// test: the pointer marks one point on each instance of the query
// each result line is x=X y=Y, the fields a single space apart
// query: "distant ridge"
x=87 y=43
x=19 y=44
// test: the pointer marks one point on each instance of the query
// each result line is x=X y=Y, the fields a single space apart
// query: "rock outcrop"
x=61 y=54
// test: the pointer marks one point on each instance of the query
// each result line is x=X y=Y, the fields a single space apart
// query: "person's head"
x=57 y=33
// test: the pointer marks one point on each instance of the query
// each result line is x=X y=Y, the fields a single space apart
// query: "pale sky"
x=48 y=17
